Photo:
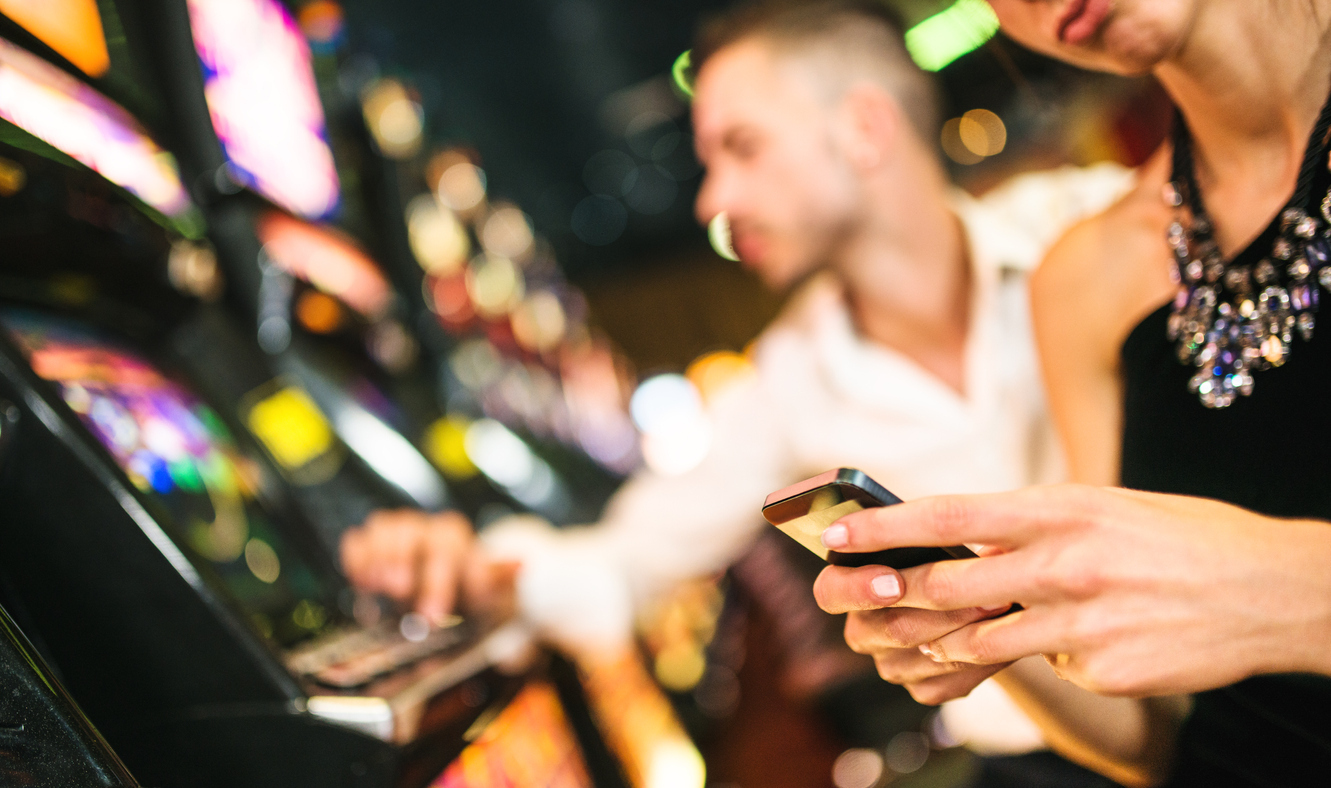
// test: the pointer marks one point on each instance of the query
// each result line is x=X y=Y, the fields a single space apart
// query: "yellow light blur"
x=495 y=285
x=12 y=177
x=679 y=667
x=437 y=238
x=262 y=560
x=982 y=132
x=507 y=233
x=291 y=427
x=395 y=121
x=714 y=372
x=461 y=186
x=953 y=146
x=539 y=322
x=446 y=446
x=72 y=28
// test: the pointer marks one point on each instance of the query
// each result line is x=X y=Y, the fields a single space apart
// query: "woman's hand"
x=1126 y=593
x=893 y=635
x=430 y=562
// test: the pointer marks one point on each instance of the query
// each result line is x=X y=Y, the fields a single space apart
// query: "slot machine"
x=153 y=546
x=246 y=120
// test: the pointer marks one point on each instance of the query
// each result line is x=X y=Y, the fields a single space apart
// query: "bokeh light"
x=318 y=313
x=438 y=239
x=539 y=322
x=461 y=186
x=859 y=767
x=956 y=150
x=395 y=119
x=495 y=285
x=982 y=132
x=12 y=177
x=445 y=445
x=974 y=136
x=506 y=232
x=676 y=434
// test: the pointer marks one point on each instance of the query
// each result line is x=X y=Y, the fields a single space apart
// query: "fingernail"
x=886 y=586
x=995 y=608
x=836 y=536
x=925 y=650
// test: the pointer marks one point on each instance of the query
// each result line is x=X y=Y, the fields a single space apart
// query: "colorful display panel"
x=529 y=745
x=326 y=259
x=176 y=449
x=71 y=27
x=72 y=117
x=265 y=108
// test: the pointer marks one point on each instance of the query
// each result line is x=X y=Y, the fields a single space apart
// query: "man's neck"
x=907 y=275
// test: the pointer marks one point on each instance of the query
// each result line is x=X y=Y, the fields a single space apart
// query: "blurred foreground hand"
x=429 y=562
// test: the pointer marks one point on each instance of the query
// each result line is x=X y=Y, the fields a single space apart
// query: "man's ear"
x=873 y=123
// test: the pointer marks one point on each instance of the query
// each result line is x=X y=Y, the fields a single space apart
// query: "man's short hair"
x=858 y=38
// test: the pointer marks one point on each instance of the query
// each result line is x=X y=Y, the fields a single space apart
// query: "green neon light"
x=680 y=73
x=947 y=35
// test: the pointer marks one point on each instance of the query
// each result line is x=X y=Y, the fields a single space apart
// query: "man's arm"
x=657 y=530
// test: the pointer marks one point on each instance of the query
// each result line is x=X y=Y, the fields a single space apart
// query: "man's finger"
x=441 y=559
x=351 y=549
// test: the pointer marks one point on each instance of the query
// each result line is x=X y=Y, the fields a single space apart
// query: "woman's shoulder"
x=1111 y=269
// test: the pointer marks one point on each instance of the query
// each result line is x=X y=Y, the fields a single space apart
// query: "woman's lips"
x=1082 y=19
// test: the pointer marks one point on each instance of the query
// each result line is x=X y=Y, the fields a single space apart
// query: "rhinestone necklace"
x=1231 y=320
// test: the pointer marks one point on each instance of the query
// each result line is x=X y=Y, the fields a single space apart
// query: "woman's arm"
x=1084 y=300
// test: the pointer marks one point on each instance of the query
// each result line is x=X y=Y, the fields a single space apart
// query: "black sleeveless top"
x=1271 y=453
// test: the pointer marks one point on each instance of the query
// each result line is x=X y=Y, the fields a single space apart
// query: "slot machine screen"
x=72 y=28
x=530 y=744
x=259 y=85
x=175 y=449
x=326 y=259
x=82 y=123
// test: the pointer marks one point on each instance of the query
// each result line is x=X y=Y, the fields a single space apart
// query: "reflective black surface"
x=45 y=740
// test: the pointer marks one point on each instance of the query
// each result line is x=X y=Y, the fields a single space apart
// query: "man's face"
x=1119 y=36
x=764 y=136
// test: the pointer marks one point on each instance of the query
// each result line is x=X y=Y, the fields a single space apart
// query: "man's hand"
x=427 y=561
x=1126 y=593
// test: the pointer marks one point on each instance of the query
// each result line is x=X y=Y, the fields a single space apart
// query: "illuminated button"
x=290 y=427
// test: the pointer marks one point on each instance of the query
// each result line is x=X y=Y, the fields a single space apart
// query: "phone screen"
x=803 y=511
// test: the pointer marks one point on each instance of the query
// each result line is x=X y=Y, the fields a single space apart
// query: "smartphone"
x=803 y=511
